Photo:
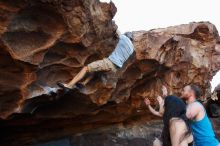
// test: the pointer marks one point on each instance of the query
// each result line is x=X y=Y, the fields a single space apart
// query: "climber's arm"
x=152 y=110
x=164 y=91
x=161 y=105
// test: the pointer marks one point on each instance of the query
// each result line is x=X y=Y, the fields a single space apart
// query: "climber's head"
x=191 y=91
x=129 y=35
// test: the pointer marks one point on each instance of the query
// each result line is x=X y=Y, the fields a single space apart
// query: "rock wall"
x=139 y=135
x=213 y=109
x=45 y=41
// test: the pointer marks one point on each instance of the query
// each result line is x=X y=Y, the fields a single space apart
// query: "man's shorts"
x=102 y=65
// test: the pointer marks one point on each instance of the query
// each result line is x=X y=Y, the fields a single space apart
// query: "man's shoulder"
x=195 y=106
x=123 y=37
x=125 y=43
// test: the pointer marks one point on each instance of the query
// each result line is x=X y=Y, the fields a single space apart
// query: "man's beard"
x=184 y=97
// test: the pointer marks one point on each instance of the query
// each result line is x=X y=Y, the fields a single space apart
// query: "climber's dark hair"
x=197 y=91
x=174 y=108
x=129 y=35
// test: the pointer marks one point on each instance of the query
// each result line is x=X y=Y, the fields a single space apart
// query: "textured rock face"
x=46 y=41
x=213 y=110
x=43 y=42
x=213 y=104
x=216 y=93
x=142 y=135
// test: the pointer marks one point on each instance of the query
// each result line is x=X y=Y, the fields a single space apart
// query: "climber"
x=118 y=57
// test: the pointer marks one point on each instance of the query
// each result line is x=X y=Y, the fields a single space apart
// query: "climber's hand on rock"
x=164 y=90
x=147 y=101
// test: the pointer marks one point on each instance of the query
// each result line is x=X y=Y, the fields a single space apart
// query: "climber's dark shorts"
x=102 y=65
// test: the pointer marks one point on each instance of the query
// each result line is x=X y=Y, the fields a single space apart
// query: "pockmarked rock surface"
x=46 y=41
x=213 y=109
x=142 y=135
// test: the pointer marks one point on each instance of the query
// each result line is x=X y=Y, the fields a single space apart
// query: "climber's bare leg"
x=99 y=65
x=77 y=78
x=88 y=79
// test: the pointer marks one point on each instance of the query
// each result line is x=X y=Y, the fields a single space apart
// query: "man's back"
x=122 y=52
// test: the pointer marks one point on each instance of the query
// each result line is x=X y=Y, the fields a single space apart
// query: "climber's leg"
x=100 y=65
x=88 y=79
x=76 y=79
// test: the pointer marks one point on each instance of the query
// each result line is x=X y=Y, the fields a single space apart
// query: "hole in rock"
x=215 y=80
x=213 y=103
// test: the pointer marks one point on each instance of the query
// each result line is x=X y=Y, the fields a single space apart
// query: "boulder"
x=46 y=41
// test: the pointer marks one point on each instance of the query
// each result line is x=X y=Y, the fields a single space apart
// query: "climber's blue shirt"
x=203 y=133
x=122 y=52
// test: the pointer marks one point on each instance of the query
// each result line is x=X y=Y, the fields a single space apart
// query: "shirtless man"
x=118 y=57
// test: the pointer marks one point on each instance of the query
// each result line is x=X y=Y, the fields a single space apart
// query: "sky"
x=149 y=14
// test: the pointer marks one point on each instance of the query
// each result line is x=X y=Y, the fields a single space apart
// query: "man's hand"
x=147 y=101
x=156 y=142
x=164 y=90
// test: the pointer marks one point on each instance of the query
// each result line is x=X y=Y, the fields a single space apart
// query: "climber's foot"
x=64 y=87
x=80 y=85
